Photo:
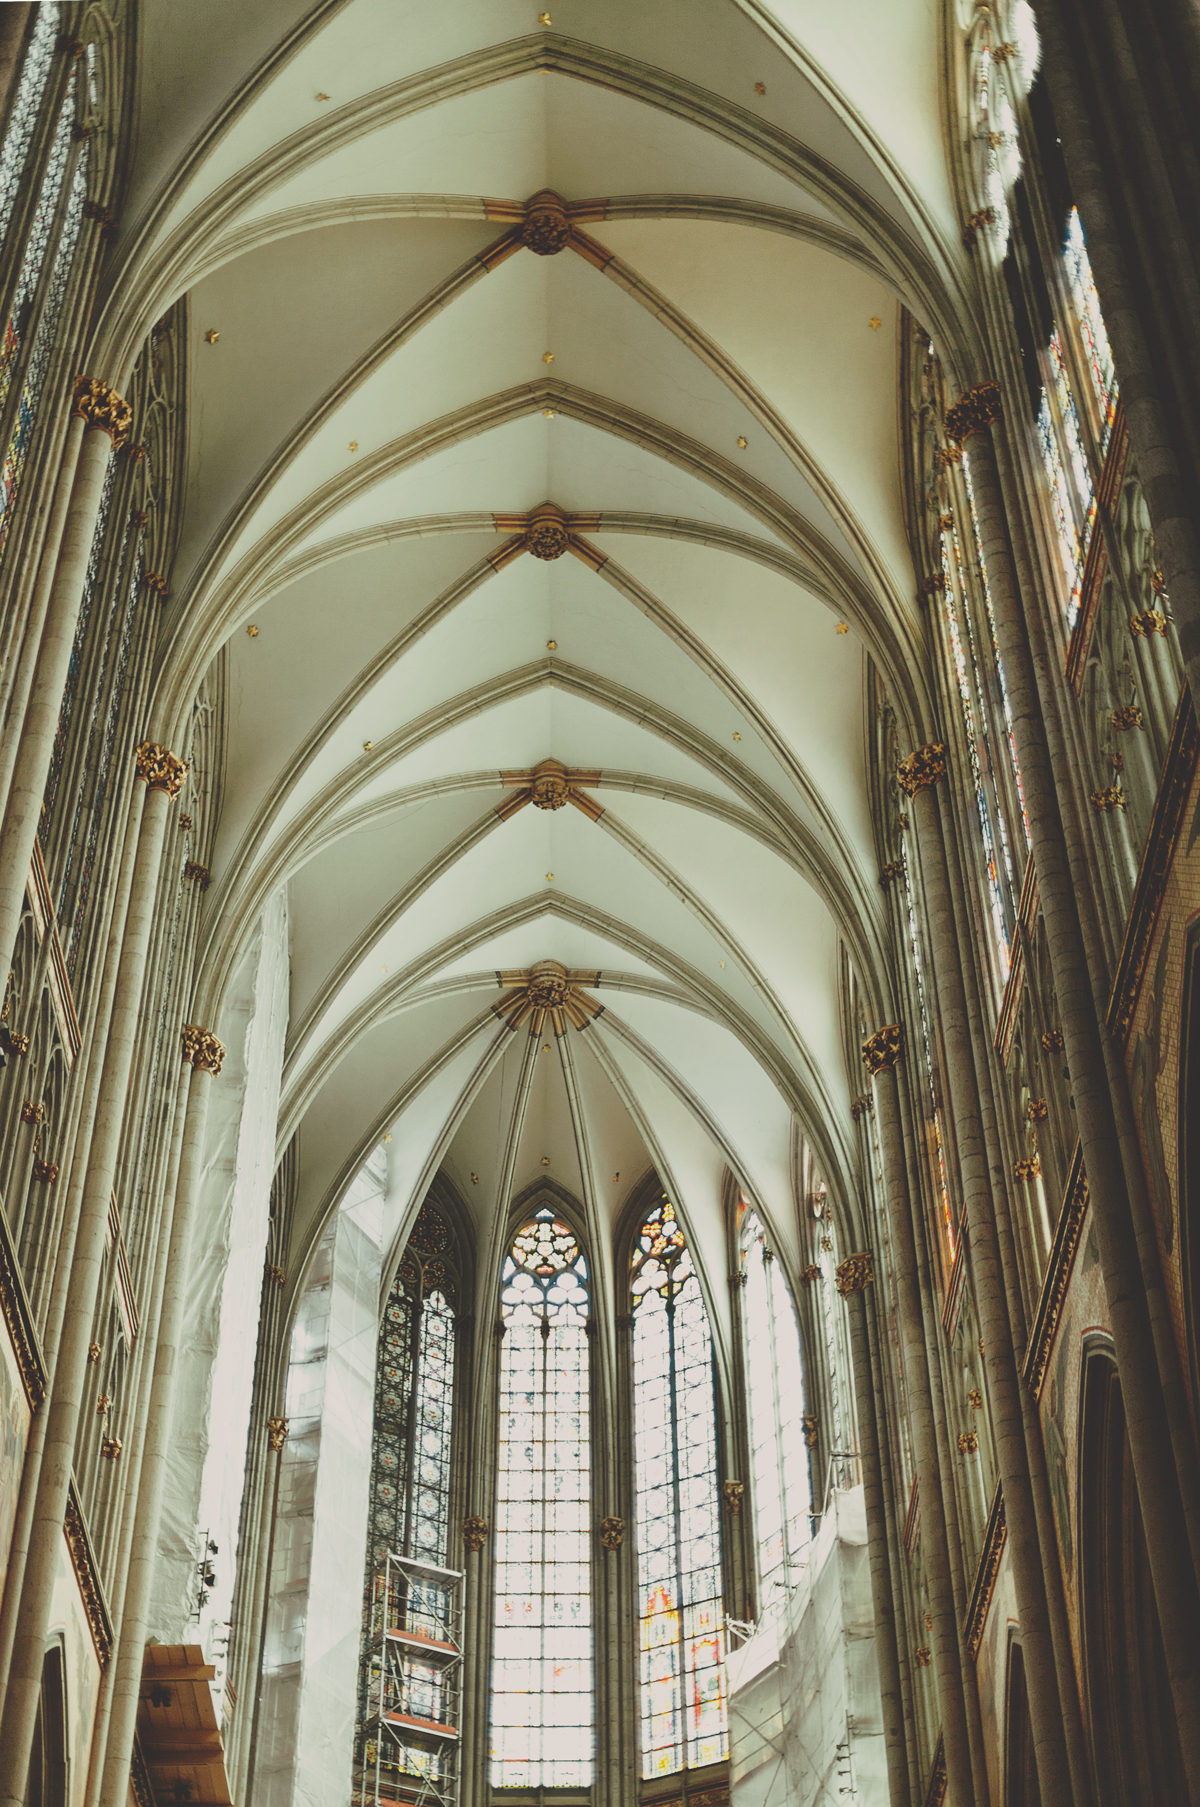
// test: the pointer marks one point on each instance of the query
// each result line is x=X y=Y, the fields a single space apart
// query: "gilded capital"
x=99 y=406
x=202 y=1049
x=546 y=226
x=158 y=768
x=1150 y=621
x=881 y=1051
x=277 y=1430
x=854 y=1273
x=811 y=1424
x=977 y=409
x=199 y=874
x=733 y=1491
x=475 y=1530
x=612 y=1532
x=925 y=766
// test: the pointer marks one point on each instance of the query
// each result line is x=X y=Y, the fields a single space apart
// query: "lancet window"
x=776 y=1398
x=542 y=1693
x=680 y=1613
x=30 y=335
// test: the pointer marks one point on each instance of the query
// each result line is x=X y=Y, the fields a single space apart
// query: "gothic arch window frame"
x=758 y=1384
x=50 y=1765
x=544 y=1197
x=644 y=1197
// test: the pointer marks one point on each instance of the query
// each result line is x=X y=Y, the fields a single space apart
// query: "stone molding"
x=986 y=1574
x=1058 y=1276
x=87 y=1575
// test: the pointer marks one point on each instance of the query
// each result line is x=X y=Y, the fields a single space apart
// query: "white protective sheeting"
x=805 y=1722
x=310 y=1660
x=215 y=1375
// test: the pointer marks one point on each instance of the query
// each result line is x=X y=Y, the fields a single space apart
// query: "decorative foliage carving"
x=968 y=1442
x=45 y=1172
x=924 y=767
x=893 y=869
x=973 y=411
x=863 y=1105
x=19 y=1324
x=733 y=1491
x=1037 y=1110
x=1150 y=621
x=1129 y=716
x=985 y=1575
x=881 y=1051
x=475 y=1532
x=1058 y=1276
x=99 y=406
x=547 y=990
x=1027 y=1169
x=855 y=1273
x=1052 y=1041
x=277 y=1430
x=982 y=216
x=87 y=1576
x=200 y=875
x=811 y=1272
x=1106 y=800
x=924 y=1656
x=202 y=1049
x=612 y=1532
x=158 y=768
x=811 y=1424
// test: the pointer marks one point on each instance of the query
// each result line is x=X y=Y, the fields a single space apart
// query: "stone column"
x=919 y=776
x=103 y=421
x=277 y=1433
x=205 y=1054
x=163 y=776
x=1125 y=1255
x=880 y=1053
x=853 y=1275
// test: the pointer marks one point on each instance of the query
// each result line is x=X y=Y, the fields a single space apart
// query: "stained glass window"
x=543 y=1711
x=1093 y=337
x=1071 y=490
x=35 y=71
x=409 y=1506
x=21 y=320
x=948 y=1241
x=681 y=1618
x=776 y=1397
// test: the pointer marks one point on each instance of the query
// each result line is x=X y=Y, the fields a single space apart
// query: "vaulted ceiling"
x=687 y=355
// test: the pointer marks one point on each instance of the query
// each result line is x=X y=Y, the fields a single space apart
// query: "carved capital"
x=277 y=1430
x=1128 y=717
x=200 y=875
x=975 y=1399
x=973 y=411
x=201 y=1047
x=475 y=1532
x=924 y=1656
x=99 y=406
x=855 y=1273
x=45 y=1172
x=933 y=585
x=733 y=1491
x=968 y=1442
x=893 y=869
x=1027 y=1169
x=982 y=216
x=110 y=1448
x=612 y=1532
x=1052 y=1041
x=158 y=768
x=809 y=1274
x=863 y=1105
x=31 y=1112
x=157 y=585
x=546 y=226
x=924 y=767
x=1150 y=621
x=811 y=1424
x=881 y=1051
x=276 y=1274
x=1106 y=800
x=547 y=535
x=1037 y=1110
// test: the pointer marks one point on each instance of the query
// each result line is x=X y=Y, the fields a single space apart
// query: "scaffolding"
x=406 y=1751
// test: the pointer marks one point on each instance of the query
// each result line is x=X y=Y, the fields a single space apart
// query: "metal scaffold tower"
x=408 y=1736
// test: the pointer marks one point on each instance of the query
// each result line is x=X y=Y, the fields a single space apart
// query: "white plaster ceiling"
x=375 y=398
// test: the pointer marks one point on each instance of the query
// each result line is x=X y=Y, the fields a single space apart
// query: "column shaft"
x=36 y=731
x=1000 y=1366
x=134 y=1627
x=1133 y=1328
x=947 y=1664
x=63 y=1405
x=881 y=1582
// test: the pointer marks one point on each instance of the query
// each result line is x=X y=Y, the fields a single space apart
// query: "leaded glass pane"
x=35 y=72
x=543 y=1716
x=681 y=1617
x=776 y=1392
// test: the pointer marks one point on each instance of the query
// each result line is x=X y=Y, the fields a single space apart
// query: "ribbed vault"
x=682 y=362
